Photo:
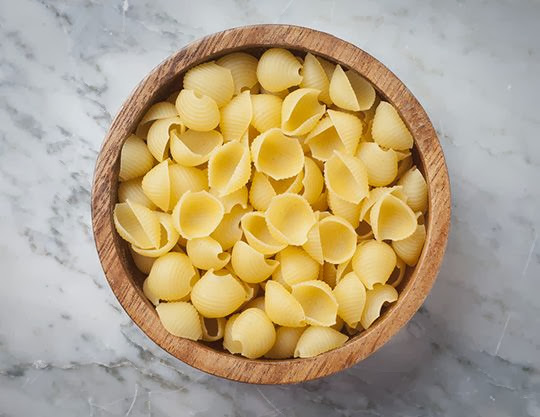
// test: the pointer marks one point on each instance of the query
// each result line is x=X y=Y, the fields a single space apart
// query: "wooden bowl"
x=126 y=281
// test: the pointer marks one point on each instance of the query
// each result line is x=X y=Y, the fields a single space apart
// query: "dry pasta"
x=373 y=262
x=211 y=80
x=266 y=110
x=281 y=307
x=301 y=111
x=135 y=159
x=206 y=253
x=236 y=117
x=314 y=76
x=229 y=168
x=295 y=265
x=212 y=329
x=250 y=265
x=160 y=110
x=351 y=91
x=347 y=177
x=318 y=301
x=243 y=69
x=253 y=332
x=350 y=295
x=197 y=214
x=316 y=340
x=159 y=136
x=388 y=129
x=193 y=148
x=286 y=341
x=289 y=218
x=409 y=249
x=415 y=188
x=375 y=299
x=180 y=319
x=278 y=69
x=197 y=112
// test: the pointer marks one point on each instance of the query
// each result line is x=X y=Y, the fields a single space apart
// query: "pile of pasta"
x=273 y=204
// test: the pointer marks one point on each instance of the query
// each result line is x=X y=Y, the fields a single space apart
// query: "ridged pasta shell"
x=278 y=69
x=392 y=219
x=313 y=181
x=338 y=239
x=229 y=168
x=375 y=195
x=409 y=249
x=323 y=140
x=180 y=319
x=288 y=185
x=236 y=198
x=350 y=294
x=375 y=299
x=228 y=343
x=281 y=307
x=388 y=130
x=156 y=185
x=314 y=76
x=193 y=148
x=228 y=231
x=277 y=155
x=197 y=214
x=251 y=265
x=261 y=191
x=206 y=253
x=217 y=295
x=137 y=224
x=289 y=218
x=373 y=262
x=197 y=112
x=348 y=127
x=213 y=329
x=351 y=91
x=135 y=159
x=301 y=111
x=348 y=211
x=286 y=341
x=167 y=240
x=159 y=136
x=328 y=274
x=343 y=269
x=171 y=278
x=143 y=263
x=254 y=332
x=212 y=80
x=415 y=188
x=236 y=117
x=157 y=111
x=266 y=111
x=132 y=190
x=381 y=165
x=258 y=236
x=316 y=340
x=313 y=245
x=296 y=265
x=398 y=273
x=318 y=301
x=255 y=303
x=243 y=69
x=346 y=176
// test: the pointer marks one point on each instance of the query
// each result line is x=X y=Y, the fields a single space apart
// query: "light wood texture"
x=125 y=280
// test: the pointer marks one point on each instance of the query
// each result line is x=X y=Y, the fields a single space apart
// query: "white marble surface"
x=68 y=349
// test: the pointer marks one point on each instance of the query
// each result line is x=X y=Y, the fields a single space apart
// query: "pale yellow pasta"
x=350 y=294
x=171 y=278
x=257 y=302
x=381 y=164
x=132 y=190
x=286 y=341
x=135 y=159
x=261 y=191
x=277 y=155
x=345 y=209
x=313 y=181
x=339 y=324
x=388 y=129
x=206 y=253
x=348 y=128
x=193 y=148
x=398 y=273
x=217 y=294
x=338 y=239
x=280 y=94
x=281 y=307
x=318 y=301
x=375 y=195
x=143 y=263
x=392 y=219
x=323 y=140
x=243 y=69
x=228 y=231
x=213 y=329
x=159 y=136
x=415 y=188
x=236 y=198
x=322 y=202
x=250 y=265
x=180 y=319
x=266 y=111
x=212 y=80
x=229 y=168
x=251 y=290
x=343 y=269
x=373 y=262
x=375 y=299
x=351 y=91
x=328 y=274
x=258 y=236
x=313 y=245
x=197 y=112
x=186 y=179
x=278 y=69
x=137 y=224
x=160 y=110
x=167 y=240
x=253 y=333
x=277 y=276
x=197 y=214
x=236 y=117
x=288 y=185
x=314 y=76
x=289 y=218
x=409 y=249
x=295 y=265
x=346 y=176
x=300 y=112
x=316 y=340
x=153 y=298
x=228 y=343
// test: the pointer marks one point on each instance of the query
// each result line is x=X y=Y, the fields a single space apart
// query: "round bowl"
x=126 y=281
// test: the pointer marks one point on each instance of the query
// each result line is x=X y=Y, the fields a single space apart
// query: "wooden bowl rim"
x=220 y=363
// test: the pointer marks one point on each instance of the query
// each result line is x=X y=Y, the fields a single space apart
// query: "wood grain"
x=125 y=280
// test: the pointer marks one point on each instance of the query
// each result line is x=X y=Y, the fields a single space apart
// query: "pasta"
x=375 y=195
x=313 y=245
x=212 y=329
x=159 y=136
x=350 y=91
x=197 y=112
x=236 y=117
x=313 y=181
x=211 y=80
x=250 y=265
x=281 y=307
x=228 y=231
x=350 y=295
x=316 y=340
x=338 y=239
x=229 y=168
x=381 y=165
x=143 y=263
x=314 y=76
x=373 y=262
x=318 y=301
x=137 y=224
x=278 y=69
x=206 y=253
x=415 y=188
x=410 y=248
x=328 y=274
x=255 y=303
x=160 y=110
x=236 y=198
x=132 y=190
x=375 y=299
x=266 y=112
x=346 y=176
x=388 y=129
x=197 y=214
x=392 y=219
x=301 y=111
x=289 y=218
x=286 y=341
x=243 y=69
x=228 y=343
x=257 y=234
x=398 y=273
x=253 y=333
x=180 y=319
x=345 y=209
x=167 y=240
x=295 y=265
x=135 y=159
x=193 y=148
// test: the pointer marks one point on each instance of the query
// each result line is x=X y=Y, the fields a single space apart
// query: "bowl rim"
x=223 y=364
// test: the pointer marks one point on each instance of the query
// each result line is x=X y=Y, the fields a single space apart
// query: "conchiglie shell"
x=348 y=127
x=286 y=341
x=206 y=253
x=392 y=219
x=343 y=269
x=415 y=188
x=375 y=195
x=251 y=290
x=213 y=329
x=197 y=112
x=180 y=319
x=258 y=236
x=278 y=69
x=193 y=148
x=159 y=136
x=323 y=140
x=313 y=181
x=229 y=168
x=228 y=343
x=186 y=179
x=171 y=277
x=132 y=190
x=314 y=76
x=254 y=333
x=243 y=69
x=261 y=191
x=266 y=111
x=236 y=198
x=148 y=293
x=328 y=274
x=388 y=129
x=156 y=185
x=348 y=211
x=346 y=176
x=135 y=159
x=143 y=263
x=137 y=224
x=251 y=265
x=277 y=155
x=338 y=239
x=211 y=80
x=281 y=307
x=350 y=294
x=255 y=303
x=318 y=301
x=296 y=265
x=313 y=245
x=236 y=117
x=373 y=262
x=289 y=218
x=350 y=91
x=288 y=185
x=381 y=165
x=167 y=240
x=301 y=111
x=197 y=214
x=228 y=231
x=217 y=295
x=160 y=110
x=375 y=299
x=316 y=340
x=398 y=274
x=409 y=249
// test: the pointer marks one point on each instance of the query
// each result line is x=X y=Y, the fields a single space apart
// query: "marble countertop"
x=66 y=346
